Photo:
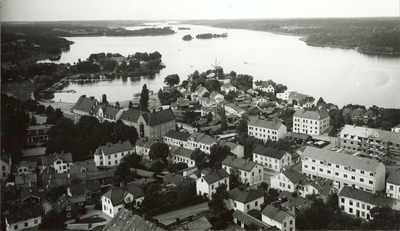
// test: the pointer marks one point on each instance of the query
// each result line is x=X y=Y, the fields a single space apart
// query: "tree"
x=117 y=105
x=104 y=99
x=217 y=155
x=159 y=151
x=122 y=132
x=242 y=127
x=200 y=158
x=33 y=121
x=49 y=110
x=144 y=98
x=52 y=221
x=130 y=106
x=224 y=122
x=40 y=109
x=173 y=168
x=123 y=173
x=52 y=119
x=172 y=80
x=157 y=166
x=220 y=215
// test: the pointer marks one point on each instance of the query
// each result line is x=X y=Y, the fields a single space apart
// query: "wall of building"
x=393 y=191
x=25 y=224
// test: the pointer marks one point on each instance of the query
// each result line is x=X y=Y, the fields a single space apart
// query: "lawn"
x=21 y=90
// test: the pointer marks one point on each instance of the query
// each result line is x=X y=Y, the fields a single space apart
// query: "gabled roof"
x=176 y=179
x=159 y=117
x=229 y=144
x=201 y=89
x=239 y=163
x=314 y=115
x=50 y=159
x=270 y=152
x=28 y=192
x=93 y=186
x=207 y=140
x=25 y=179
x=196 y=136
x=145 y=143
x=181 y=152
x=249 y=220
x=216 y=176
x=116 y=195
x=227 y=85
x=88 y=166
x=265 y=124
x=114 y=148
x=245 y=196
x=367 y=197
x=125 y=220
x=296 y=135
x=354 y=162
x=294 y=176
x=215 y=94
x=130 y=115
x=275 y=213
x=394 y=178
x=177 y=135
x=22 y=215
x=85 y=104
x=135 y=190
x=109 y=112
x=297 y=96
x=200 y=223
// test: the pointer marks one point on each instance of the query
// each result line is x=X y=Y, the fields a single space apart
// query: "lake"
x=340 y=76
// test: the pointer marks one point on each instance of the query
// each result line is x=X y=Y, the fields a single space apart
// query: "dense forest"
x=367 y=35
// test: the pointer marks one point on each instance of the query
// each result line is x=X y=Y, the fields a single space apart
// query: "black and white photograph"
x=122 y=115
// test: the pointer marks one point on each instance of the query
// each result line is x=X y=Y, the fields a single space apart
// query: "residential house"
x=321 y=187
x=24 y=219
x=107 y=113
x=396 y=128
x=66 y=209
x=84 y=107
x=59 y=162
x=245 y=200
x=345 y=170
x=199 y=93
x=264 y=86
x=293 y=204
x=201 y=141
x=87 y=192
x=143 y=147
x=29 y=197
x=25 y=181
x=181 y=104
x=283 y=220
x=359 y=203
x=251 y=92
x=37 y=134
x=248 y=222
x=227 y=88
x=234 y=109
x=24 y=167
x=5 y=164
x=111 y=154
x=393 y=185
x=271 y=158
x=288 y=180
x=82 y=166
x=299 y=100
x=259 y=100
x=182 y=155
x=207 y=184
x=266 y=130
x=298 y=138
x=284 y=95
x=247 y=172
x=235 y=148
x=208 y=102
x=116 y=199
x=310 y=122
x=217 y=97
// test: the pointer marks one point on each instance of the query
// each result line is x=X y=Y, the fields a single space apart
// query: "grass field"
x=20 y=90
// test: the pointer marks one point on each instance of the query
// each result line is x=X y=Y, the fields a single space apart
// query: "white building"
x=207 y=184
x=359 y=203
x=393 y=185
x=175 y=138
x=264 y=86
x=310 y=122
x=143 y=147
x=117 y=198
x=227 y=88
x=201 y=141
x=183 y=155
x=84 y=107
x=346 y=170
x=244 y=200
x=283 y=220
x=264 y=130
x=60 y=162
x=248 y=172
x=233 y=109
x=271 y=158
x=288 y=180
x=396 y=128
x=27 y=219
x=284 y=95
x=5 y=164
x=111 y=154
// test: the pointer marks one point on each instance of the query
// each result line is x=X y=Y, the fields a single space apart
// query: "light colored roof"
x=85 y=104
x=130 y=115
x=265 y=124
x=296 y=135
x=297 y=96
x=177 y=135
x=181 y=152
x=242 y=164
x=294 y=176
x=114 y=148
x=208 y=140
x=33 y=152
x=200 y=223
x=394 y=178
x=145 y=143
x=215 y=176
x=355 y=162
x=314 y=115
x=37 y=127
x=196 y=136
x=125 y=220
x=275 y=213
x=242 y=195
x=227 y=85
x=357 y=131
x=365 y=196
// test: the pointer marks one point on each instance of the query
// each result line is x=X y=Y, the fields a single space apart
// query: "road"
x=168 y=218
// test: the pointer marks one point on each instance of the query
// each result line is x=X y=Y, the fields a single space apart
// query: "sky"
x=59 y=10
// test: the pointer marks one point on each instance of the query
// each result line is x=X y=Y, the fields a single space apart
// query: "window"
x=15 y=226
x=321 y=170
x=345 y=175
x=371 y=182
x=68 y=208
x=343 y=200
x=26 y=224
x=248 y=206
x=368 y=207
x=329 y=171
x=69 y=215
x=357 y=204
x=361 y=180
x=353 y=177
x=336 y=173
x=350 y=210
x=337 y=166
x=391 y=187
x=313 y=168
x=234 y=205
x=305 y=166
x=363 y=206
x=351 y=202
x=256 y=203
x=36 y=221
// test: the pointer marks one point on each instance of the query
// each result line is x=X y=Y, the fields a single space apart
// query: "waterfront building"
x=84 y=107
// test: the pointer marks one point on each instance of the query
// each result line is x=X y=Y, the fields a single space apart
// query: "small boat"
x=246 y=63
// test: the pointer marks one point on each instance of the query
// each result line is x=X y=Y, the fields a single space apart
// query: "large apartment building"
x=266 y=130
x=369 y=141
x=111 y=154
x=344 y=169
x=310 y=122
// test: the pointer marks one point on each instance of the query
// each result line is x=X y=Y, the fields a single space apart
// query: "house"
x=84 y=107
x=319 y=186
x=235 y=148
x=25 y=180
x=266 y=130
x=82 y=166
x=310 y=122
x=142 y=173
x=251 y=92
x=208 y=102
x=288 y=180
x=207 y=184
x=84 y=193
x=248 y=222
x=182 y=155
x=247 y=172
x=283 y=220
x=24 y=219
x=199 y=92
x=244 y=200
x=143 y=147
x=271 y=158
x=29 y=197
x=115 y=199
x=396 y=128
x=259 y=100
x=299 y=100
x=284 y=95
x=181 y=104
x=345 y=170
x=293 y=204
x=201 y=141
x=393 y=185
x=217 y=97
x=59 y=162
x=227 y=88
x=5 y=164
x=66 y=209
x=37 y=134
x=107 y=113
x=298 y=138
x=24 y=167
x=111 y=154
x=234 y=109
x=359 y=203
x=264 y=86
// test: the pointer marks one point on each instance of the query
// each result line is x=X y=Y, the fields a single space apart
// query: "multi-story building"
x=244 y=200
x=227 y=88
x=310 y=122
x=84 y=107
x=359 y=203
x=236 y=149
x=175 y=138
x=25 y=219
x=200 y=141
x=266 y=130
x=183 y=155
x=284 y=95
x=60 y=162
x=369 y=141
x=344 y=169
x=107 y=113
x=283 y=220
x=271 y=158
x=37 y=134
x=393 y=185
x=248 y=172
x=111 y=154
x=117 y=198
x=143 y=147
x=5 y=164
x=207 y=184
x=264 y=86
x=288 y=180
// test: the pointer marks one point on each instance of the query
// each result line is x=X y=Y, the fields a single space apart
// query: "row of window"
x=338 y=166
x=337 y=174
x=263 y=130
x=26 y=224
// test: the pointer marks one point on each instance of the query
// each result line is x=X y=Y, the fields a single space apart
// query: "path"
x=168 y=218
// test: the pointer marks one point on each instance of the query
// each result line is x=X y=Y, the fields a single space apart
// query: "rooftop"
x=215 y=176
x=181 y=152
x=159 y=117
x=85 y=104
x=243 y=195
x=394 y=178
x=114 y=148
x=177 y=135
x=268 y=151
x=130 y=115
x=294 y=176
x=265 y=124
x=239 y=163
x=367 y=197
x=125 y=220
x=275 y=213
x=249 y=220
x=50 y=159
x=314 y=115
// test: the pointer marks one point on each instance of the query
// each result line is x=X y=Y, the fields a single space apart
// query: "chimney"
x=91 y=97
x=122 y=184
x=178 y=221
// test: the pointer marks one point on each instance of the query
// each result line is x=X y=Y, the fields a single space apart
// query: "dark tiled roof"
x=200 y=223
x=294 y=176
x=115 y=148
x=298 y=135
x=28 y=192
x=142 y=173
x=88 y=166
x=249 y=220
x=215 y=176
x=242 y=164
x=116 y=195
x=24 y=179
x=125 y=220
x=394 y=178
x=245 y=196
x=130 y=115
x=85 y=104
x=181 y=152
x=50 y=159
x=275 y=213
x=135 y=190
x=307 y=114
x=270 y=152
x=367 y=197
x=143 y=142
x=159 y=117
x=177 y=135
x=93 y=186
x=5 y=158
x=170 y=178
x=25 y=214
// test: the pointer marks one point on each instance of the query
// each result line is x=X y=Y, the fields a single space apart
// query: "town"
x=214 y=151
